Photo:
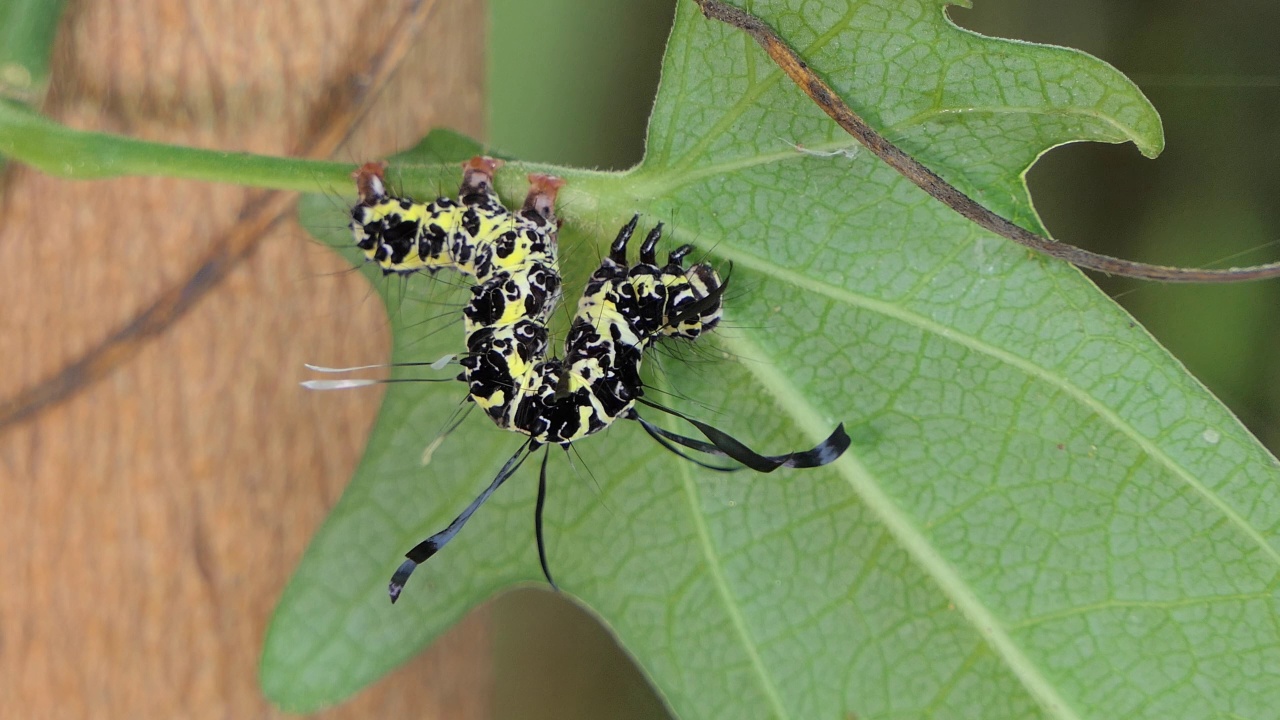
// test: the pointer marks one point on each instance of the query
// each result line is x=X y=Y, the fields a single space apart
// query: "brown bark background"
x=149 y=523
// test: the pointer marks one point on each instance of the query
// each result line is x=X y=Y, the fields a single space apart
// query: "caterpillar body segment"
x=623 y=311
x=474 y=235
x=505 y=320
x=400 y=235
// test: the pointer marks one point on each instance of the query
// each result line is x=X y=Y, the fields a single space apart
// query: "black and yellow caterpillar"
x=624 y=310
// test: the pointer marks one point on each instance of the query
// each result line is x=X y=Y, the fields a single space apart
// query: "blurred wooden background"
x=148 y=525
x=149 y=522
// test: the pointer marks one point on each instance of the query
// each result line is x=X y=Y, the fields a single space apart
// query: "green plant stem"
x=30 y=138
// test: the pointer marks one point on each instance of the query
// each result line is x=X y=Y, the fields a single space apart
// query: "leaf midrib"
x=724 y=248
x=899 y=524
x=731 y=605
x=895 y=519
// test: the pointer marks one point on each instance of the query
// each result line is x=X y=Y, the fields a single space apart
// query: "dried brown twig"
x=929 y=181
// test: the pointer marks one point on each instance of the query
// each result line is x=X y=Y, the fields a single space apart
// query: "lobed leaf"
x=1042 y=515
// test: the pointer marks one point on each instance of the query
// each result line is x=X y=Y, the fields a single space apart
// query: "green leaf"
x=27 y=29
x=1042 y=515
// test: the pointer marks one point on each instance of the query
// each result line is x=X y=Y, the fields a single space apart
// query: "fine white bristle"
x=442 y=362
x=337 y=384
x=320 y=368
x=437 y=365
x=431 y=450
